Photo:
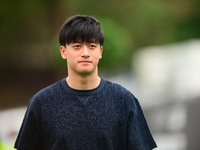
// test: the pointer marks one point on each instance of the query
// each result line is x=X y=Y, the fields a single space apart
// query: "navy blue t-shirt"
x=108 y=117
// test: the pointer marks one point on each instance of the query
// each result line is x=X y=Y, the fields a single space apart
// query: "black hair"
x=81 y=28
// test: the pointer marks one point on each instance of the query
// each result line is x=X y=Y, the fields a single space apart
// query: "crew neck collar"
x=83 y=92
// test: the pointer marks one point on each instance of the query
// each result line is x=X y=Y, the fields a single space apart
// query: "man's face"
x=82 y=58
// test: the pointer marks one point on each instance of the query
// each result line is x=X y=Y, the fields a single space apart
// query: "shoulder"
x=124 y=96
x=122 y=91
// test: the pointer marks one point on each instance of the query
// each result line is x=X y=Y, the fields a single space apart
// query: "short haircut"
x=81 y=28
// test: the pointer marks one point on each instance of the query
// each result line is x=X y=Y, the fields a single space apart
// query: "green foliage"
x=5 y=146
x=118 y=45
x=151 y=23
x=56 y=60
x=128 y=25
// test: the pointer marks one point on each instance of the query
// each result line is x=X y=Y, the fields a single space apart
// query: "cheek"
x=70 y=56
x=97 y=58
x=96 y=54
x=71 y=59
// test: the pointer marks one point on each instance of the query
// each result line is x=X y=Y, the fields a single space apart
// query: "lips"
x=85 y=61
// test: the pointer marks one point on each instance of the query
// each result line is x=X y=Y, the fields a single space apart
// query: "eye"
x=76 y=46
x=93 y=46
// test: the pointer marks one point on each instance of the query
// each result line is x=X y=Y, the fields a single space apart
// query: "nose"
x=85 y=52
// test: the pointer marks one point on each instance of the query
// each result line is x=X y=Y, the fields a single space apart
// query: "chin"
x=85 y=72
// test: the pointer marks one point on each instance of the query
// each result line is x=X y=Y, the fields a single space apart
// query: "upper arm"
x=29 y=136
x=138 y=134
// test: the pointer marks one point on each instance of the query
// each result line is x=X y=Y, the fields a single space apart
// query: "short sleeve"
x=139 y=135
x=29 y=134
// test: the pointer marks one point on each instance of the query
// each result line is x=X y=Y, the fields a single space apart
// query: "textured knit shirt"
x=108 y=117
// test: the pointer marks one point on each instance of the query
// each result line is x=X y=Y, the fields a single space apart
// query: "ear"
x=101 y=51
x=63 y=52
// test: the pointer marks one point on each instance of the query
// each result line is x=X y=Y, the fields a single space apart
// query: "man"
x=83 y=111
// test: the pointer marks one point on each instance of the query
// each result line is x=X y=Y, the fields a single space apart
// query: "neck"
x=83 y=82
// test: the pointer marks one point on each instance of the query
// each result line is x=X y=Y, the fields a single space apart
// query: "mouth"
x=85 y=61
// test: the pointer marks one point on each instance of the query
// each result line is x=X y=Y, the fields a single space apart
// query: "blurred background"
x=151 y=47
